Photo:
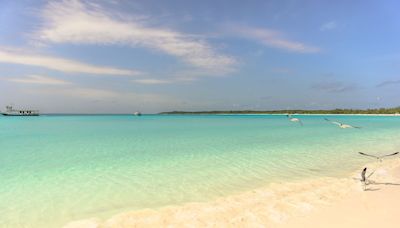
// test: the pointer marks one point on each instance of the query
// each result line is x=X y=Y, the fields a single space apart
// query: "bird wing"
x=371 y=174
x=301 y=123
x=352 y=126
x=387 y=155
x=334 y=122
x=368 y=155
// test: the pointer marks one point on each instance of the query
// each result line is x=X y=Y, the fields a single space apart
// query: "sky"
x=122 y=56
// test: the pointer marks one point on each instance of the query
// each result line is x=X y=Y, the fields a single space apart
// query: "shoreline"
x=284 y=114
x=209 y=114
x=286 y=204
x=271 y=114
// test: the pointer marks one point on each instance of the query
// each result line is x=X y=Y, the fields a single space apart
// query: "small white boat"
x=137 y=114
x=23 y=112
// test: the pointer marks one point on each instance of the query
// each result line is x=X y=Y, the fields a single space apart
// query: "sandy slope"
x=377 y=207
x=324 y=202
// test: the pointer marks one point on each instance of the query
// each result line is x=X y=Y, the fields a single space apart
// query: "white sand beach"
x=323 y=202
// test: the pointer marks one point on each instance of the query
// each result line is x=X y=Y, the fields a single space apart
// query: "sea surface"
x=59 y=168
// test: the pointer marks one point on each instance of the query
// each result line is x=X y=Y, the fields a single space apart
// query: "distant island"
x=294 y=111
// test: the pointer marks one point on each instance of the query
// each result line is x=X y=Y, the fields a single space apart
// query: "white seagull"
x=341 y=125
x=293 y=119
x=378 y=157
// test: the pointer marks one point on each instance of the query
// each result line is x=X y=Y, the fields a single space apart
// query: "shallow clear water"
x=54 y=169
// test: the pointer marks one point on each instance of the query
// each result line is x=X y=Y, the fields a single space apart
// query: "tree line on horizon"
x=296 y=111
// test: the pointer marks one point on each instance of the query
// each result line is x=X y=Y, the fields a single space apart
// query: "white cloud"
x=39 y=79
x=82 y=92
x=151 y=81
x=96 y=100
x=271 y=38
x=328 y=26
x=59 y=64
x=71 y=21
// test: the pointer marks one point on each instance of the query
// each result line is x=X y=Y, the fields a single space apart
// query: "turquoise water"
x=54 y=169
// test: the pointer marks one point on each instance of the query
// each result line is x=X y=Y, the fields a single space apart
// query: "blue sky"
x=120 y=56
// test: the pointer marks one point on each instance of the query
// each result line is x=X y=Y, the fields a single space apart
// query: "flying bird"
x=378 y=157
x=341 y=125
x=293 y=119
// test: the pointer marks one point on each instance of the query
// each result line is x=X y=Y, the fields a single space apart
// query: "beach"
x=326 y=202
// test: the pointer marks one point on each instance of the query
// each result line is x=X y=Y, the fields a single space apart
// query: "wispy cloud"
x=328 y=26
x=387 y=83
x=282 y=70
x=271 y=38
x=72 y=21
x=59 y=64
x=334 y=87
x=151 y=81
x=127 y=100
x=173 y=78
x=39 y=79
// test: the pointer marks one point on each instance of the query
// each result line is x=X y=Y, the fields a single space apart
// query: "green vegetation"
x=333 y=111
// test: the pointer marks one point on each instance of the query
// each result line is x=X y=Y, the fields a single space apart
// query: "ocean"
x=59 y=168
